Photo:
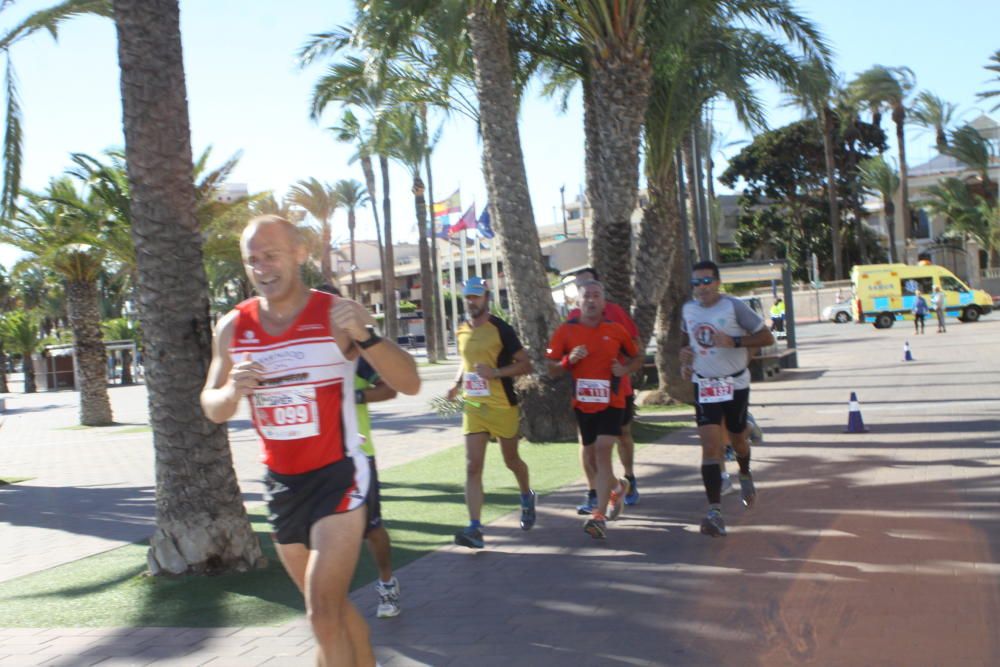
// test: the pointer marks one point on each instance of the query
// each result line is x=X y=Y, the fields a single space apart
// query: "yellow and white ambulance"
x=884 y=293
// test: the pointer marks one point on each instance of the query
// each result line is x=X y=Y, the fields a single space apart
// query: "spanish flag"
x=452 y=204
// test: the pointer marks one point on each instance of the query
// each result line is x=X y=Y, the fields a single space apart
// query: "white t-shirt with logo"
x=730 y=316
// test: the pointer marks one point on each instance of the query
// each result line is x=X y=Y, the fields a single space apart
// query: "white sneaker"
x=388 y=599
x=727 y=484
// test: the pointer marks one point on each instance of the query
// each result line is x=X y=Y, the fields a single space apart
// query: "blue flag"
x=483 y=225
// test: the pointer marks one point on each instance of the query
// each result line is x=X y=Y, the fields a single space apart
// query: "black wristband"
x=737 y=341
x=373 y=339
x=359 y=397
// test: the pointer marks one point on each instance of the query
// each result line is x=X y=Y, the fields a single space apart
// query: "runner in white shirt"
x=719 y=328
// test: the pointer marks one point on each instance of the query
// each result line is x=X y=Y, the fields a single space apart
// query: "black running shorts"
x=594 y=424
x=373 y=503
x=629 y=413
x=733 y=411
x=296 y=502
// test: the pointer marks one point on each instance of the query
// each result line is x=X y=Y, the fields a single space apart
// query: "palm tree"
x=994 y=67
x=889 y=87
x=201 y=522
x=968 y=214
x=817 y=93
x=933 y=113
x=48 y=20
x=409 y=146
x=61 y=230
x=355 y=84
x=350 y=195
x=970 y=148
x=878 y=177
x=618 y=74
x=6 y=305
x=19 y=333
x=320 y=201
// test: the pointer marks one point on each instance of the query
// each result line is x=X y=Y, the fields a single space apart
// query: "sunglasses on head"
x=706 y=280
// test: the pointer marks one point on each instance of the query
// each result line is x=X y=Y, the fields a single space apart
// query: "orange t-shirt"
x=595 y=388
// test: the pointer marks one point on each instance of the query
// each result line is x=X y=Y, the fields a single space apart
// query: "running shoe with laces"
x=727 y=484
x=528 y=513
x=470 y=537
x=713 y=524
x=388 y=599
x=587 y=508
x=616 y=502
x=632 y=497
x=596 y=527
x=748 y=492
x=730 y=453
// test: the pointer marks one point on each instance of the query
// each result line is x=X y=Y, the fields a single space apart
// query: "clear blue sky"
x=245 y=93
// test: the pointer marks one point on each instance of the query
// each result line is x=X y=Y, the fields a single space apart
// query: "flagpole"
x=479 y=257
x=465 y=258
x=454 y=293
x=496 y=272
x=442 y=324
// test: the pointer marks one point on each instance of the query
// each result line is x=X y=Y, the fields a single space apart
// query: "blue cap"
x=474 y=286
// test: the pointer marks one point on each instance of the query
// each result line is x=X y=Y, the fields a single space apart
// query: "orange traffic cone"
x=855 y=424
x=906 y=351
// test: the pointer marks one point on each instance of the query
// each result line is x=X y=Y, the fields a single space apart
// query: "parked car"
x=839 y=312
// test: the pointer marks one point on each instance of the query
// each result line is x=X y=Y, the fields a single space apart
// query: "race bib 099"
x=286 y=413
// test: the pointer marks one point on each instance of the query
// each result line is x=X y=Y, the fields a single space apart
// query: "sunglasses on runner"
x=706 y=280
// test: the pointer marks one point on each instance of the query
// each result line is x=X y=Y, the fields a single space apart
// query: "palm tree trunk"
x=899 y=117
x=890 y=225
x=4 y=389
x=369 y=172
x=438 y=333
x=546 y=411
x=201 y=522
x=831 y=194
x=127 y=368
x=324 y=259
x=28 y=369
x=699 y=188
x=426 y=277
x=351 y=223
x=694 y=195
x=713 y=230
x=619 y=91
x=660 y=236
x=91 y=358
x=389 y=286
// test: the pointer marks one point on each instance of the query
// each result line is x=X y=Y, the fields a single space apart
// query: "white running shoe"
x=388 y=599
x=727 y=484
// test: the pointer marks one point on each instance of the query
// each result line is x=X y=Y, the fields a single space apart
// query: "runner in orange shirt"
x=589 y=349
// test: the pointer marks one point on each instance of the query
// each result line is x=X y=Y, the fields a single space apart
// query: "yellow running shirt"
x=494 y=343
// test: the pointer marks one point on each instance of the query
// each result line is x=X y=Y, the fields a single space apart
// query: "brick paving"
x=873 y=549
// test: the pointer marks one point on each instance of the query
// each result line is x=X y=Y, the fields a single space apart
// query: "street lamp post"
x=562 y=196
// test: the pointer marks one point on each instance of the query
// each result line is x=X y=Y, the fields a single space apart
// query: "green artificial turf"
x=422 y=503
x=12 y=480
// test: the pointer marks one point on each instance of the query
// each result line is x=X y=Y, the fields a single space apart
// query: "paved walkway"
x=873 y=549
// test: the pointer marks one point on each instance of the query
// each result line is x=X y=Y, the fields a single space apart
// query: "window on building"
x=921 y=224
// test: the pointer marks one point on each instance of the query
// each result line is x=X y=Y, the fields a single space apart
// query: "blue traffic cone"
x=906 y=352
x=855 y=424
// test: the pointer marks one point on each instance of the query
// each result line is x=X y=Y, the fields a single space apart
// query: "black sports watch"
x=373 y=338
x=737 y=341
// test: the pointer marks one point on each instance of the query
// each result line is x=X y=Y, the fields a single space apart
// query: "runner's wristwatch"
x=737 y=341
x=373 y=338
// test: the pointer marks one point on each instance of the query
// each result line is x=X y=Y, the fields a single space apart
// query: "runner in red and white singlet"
x=292 y=353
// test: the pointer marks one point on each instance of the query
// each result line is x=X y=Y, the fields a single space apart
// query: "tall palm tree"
x=816 y=93
x=994 y=67
x=935 y=114
x=889 y=87
x=19 y=333
x=350 y=195
x=60 y=230
x=879 y=178
x=370 y=89
x=970 y=148
x=320 y=201
x=49 y=20
x=612 y=35
x=409 y=146
x=7 y=304
x=201 y=522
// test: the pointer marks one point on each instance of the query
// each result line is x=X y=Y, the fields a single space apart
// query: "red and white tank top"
x=304 y=409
